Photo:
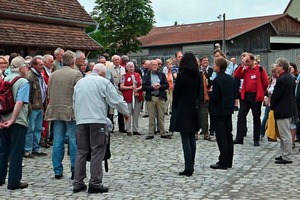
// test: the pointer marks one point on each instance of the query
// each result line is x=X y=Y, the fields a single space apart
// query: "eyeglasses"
x=1 y=63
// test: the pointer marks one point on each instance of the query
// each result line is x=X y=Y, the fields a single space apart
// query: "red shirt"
x=251 y=80
x=251 y=77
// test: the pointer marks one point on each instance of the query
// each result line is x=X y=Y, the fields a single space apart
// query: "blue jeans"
x=33 y=136
x=60 y=130
x=264 y=121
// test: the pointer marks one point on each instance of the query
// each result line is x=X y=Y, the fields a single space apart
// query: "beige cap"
x=18 y=62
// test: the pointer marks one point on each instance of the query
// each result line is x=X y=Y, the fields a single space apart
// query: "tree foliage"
x=121 y=22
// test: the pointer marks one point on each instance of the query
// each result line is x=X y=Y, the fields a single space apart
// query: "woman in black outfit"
x=185 y=100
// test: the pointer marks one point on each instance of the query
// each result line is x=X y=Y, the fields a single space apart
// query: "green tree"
x=121 y=22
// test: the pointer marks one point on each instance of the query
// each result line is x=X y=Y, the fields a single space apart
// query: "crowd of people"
x=51 y=91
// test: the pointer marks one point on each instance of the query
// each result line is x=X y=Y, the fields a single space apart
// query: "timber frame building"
x=255 y=34
x=31 y=27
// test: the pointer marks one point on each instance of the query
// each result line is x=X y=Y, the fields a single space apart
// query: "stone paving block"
x=142 y=169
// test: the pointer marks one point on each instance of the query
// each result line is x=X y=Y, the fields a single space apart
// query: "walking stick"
x=132 y=109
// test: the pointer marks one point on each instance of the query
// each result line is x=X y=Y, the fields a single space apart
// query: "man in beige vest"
x=117 y=72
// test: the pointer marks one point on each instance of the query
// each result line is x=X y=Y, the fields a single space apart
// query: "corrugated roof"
x=63 y=9
x=15 y=32
x=203 y=32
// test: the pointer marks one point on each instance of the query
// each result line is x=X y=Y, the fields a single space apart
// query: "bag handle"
x=15 y=80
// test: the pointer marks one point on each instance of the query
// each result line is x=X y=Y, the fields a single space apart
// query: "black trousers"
x=172 y=119
x=189 y=149
x=12 y=144
x=223 y=129
x=249 y=103
x=121 y=122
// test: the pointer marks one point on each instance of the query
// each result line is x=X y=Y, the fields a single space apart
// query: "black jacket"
x=222 y=95
x=283 y=98
x=146 y=86
x=185 y=99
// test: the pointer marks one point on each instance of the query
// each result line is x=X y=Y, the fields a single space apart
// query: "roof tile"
x=64 y=9
x=15 y=32
x=203 y=32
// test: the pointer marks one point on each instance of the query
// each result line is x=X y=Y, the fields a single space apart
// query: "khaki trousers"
x=156 y=105
x=135 y=113
x=168 y=103
x=286 y=142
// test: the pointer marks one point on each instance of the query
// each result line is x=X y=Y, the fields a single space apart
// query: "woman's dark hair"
x=296 y=72
x=189 y=64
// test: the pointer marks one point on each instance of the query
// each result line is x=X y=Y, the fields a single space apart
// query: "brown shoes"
x=101 y=189
x=136 y=133
x=18 y=186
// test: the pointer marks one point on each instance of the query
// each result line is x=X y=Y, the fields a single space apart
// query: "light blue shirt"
x=298 y=80
x=43 y=88
x=154 y=79
x=230 y=69
x=23 y=93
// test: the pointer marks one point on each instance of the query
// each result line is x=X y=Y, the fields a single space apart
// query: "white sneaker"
x=213 y=138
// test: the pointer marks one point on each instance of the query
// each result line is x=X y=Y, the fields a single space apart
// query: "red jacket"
x=262 y=81
x=45 y=76
x=128 y=82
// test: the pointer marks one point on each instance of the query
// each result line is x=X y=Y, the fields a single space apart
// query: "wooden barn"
x=38 y=27
x=255 y=34
x=293 y=9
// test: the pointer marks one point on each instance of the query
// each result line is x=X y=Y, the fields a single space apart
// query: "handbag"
x=198 y=114
x=272 y=130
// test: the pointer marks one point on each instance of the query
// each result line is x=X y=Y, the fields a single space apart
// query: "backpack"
x=7 y=102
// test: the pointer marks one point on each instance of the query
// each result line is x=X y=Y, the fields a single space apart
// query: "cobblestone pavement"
x=142 y=169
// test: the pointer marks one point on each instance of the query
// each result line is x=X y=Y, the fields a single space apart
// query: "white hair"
x=58 y=50
x=129 y=64
x=115 y=57
x=78 y=54
x=98 y=68
x=46 y=57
